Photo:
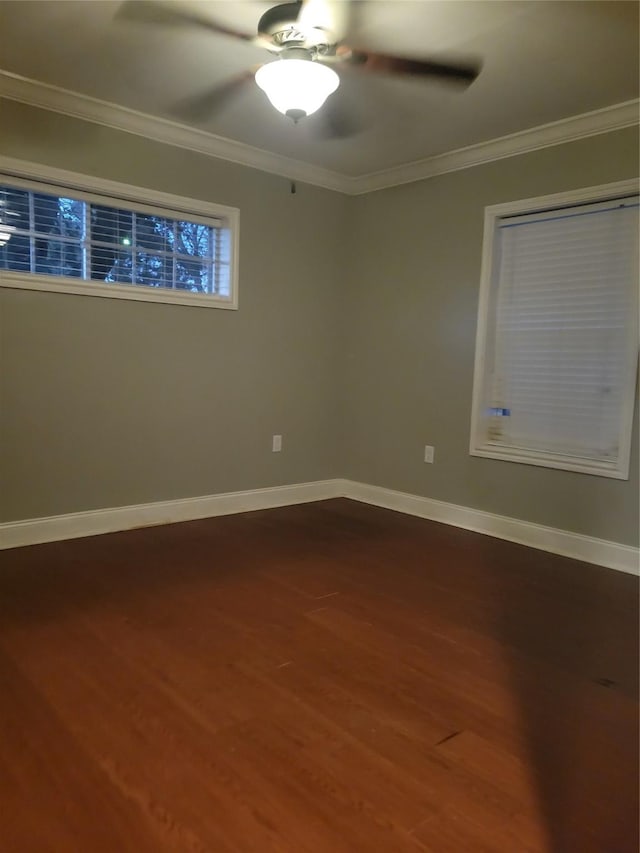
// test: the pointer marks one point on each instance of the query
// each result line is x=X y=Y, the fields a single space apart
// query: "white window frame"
x=34 y=176
x=478 y=445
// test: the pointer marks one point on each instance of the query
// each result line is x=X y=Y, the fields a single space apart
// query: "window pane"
x=71 y=217
x=194 y=239
x=57 y=257
x=154 y=233
x=114 y=227
x=15 y=255
x=102 y=262
x=121 y=267
x=154 y=270
x=193 y=275
x=111 y=225
x=14 y=208
x=56 y=215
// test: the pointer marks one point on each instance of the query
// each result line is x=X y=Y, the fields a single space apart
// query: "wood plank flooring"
x=326 y=678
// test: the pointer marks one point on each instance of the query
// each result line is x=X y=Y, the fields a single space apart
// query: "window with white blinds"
x=105 y=239
x=557 y=339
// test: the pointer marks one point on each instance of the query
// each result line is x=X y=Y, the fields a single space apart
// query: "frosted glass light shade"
x=297 y=87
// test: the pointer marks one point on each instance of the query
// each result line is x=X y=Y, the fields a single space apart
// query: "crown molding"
x=615 y=117
x=37 y=94
x=43 y=95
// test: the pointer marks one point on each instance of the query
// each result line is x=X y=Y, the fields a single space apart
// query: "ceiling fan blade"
x=207 y=104
x=328 y=15
x=175 y=15
x=336 y=121
x=346 y=113
x=385 y=64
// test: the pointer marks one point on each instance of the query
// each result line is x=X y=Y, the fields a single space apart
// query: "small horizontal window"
x=54 y=238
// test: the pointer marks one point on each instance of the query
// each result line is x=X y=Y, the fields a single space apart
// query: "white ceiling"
x=542 y=62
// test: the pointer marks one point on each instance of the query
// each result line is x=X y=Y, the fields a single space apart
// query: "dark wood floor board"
x=555 y=629
x=417 y=750
x=323 y=763
x=151 y=743
x=471 y=826
x=324 y=678
x=53 y=796
x=472 y=679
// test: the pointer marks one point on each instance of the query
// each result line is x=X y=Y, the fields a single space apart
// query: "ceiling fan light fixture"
x=297 y=87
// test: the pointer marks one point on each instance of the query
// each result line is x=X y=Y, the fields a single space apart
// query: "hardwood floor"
x=326 y=678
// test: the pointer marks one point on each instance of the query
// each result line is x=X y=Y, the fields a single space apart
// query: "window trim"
x=35 y=176
x=477 y=446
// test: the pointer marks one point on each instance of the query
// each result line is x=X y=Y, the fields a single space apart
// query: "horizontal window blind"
x=84 y=237
x=558 y=347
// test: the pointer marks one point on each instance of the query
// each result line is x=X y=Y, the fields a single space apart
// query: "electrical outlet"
x=429 y=453
x=276 y=443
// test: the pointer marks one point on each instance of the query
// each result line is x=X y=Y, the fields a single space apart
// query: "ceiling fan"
x=306 y=47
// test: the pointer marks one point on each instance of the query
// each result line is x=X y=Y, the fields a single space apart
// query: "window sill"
x=137 y=293
x=618 y=470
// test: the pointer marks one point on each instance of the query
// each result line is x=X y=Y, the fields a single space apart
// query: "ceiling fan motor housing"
x=281 y=26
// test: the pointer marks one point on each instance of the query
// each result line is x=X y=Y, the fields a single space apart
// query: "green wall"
x=354 y=340
x=412 y=321
x=107 y=402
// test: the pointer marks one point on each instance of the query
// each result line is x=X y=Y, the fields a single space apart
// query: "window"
x=70 y=240
x=556 y=353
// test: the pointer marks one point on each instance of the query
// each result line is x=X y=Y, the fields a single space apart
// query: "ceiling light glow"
x=297 y=87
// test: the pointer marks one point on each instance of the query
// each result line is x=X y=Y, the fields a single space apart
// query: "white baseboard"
x=624 y=558
x=32 y=531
